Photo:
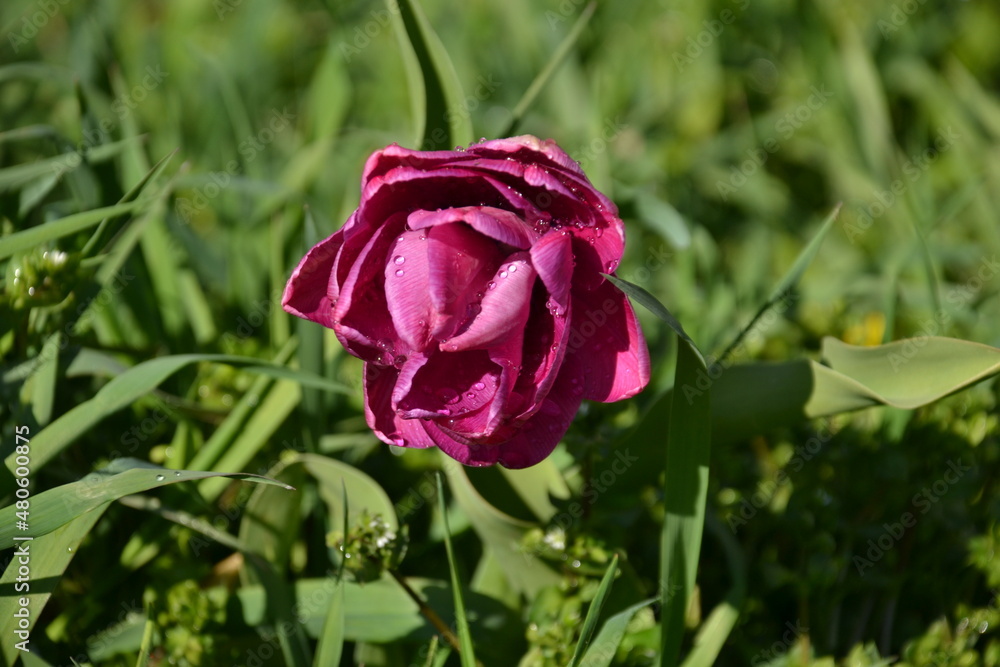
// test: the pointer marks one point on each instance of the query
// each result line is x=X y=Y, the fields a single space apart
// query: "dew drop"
x=470 y=395
x=398 y=259
x=480 y=386
x=177 y=473
x=503 y=274
x=600 y=230
x=69 y=550
x=160 y=478
x=399 y=273
x=491 y=285
x=513 y=268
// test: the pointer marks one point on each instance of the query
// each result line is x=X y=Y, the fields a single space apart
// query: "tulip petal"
x=361 y=316
x=505 y=307
x=552 y=257
x=450 y=385
x=536 y=438
x=461 y=263
x=546 y=339
x=382 y=419
x=311 y=290
x=498 y=224
x=527 y=148
x=606 y=347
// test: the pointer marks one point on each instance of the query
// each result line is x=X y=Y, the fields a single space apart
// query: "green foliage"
x=163 y=165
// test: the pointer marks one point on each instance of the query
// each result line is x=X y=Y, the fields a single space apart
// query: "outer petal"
x=528 y=148
x=312 y=291
x=382 y=419
x=361 y=316
x=536 y=439
x=606 y=347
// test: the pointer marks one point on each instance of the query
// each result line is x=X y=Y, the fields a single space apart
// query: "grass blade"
x=461 y=620
x=594 y=612
x=50 y=231
x=550 y=68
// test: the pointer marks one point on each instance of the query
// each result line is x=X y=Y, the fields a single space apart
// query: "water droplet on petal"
x=503 y=274
x=470 y=395
x=513 y=268
x=399 y=273
x=480 y=385
x=491 y=285
x=398 y=259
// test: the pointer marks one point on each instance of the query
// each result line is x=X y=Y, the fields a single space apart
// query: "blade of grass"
x=686 y=479
x=550 y=69
x=594 y=613
x=789 y=280
x=461 y=620
x=50 y=231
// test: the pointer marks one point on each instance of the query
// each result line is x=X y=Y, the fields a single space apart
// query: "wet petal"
x=496 y=223
x=505 y=307
x=311 y=291
x=382 y=419
x=450 y=385
x=605 y=346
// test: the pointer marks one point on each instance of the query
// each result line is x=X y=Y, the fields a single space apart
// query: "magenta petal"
x=461 y=261
x=528 y=148
x=606 y=345
x=464 y=451
x=496 y=223
x=311 y=292
x=361 y=316
x=382 y=419
x=407 y=273
x=505 y=306
x=552 y=257
x=536 y=438
x=545 y=343
x=451 y=385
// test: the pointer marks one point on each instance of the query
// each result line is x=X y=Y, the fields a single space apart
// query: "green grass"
x=185 y=154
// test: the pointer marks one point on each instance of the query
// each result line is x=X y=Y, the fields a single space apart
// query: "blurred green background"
x=725 y=131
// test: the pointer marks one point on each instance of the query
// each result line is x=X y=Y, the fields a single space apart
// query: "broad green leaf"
x=365 y=494
x=503 y=533
x=466 y=654
x=537 y=486
x=748 y=399
x=594 y=612
x=48 y=556
x=444 y=120
x=50 y=231
x=605 y=645
x=55 y=507
x=543 y=78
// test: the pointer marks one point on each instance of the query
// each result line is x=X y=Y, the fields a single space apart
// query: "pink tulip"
x=470 y=284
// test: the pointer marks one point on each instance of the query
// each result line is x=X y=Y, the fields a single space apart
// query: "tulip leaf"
x=366 y=495
x=525 y=571
x=50 y=231
x=440 y=109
